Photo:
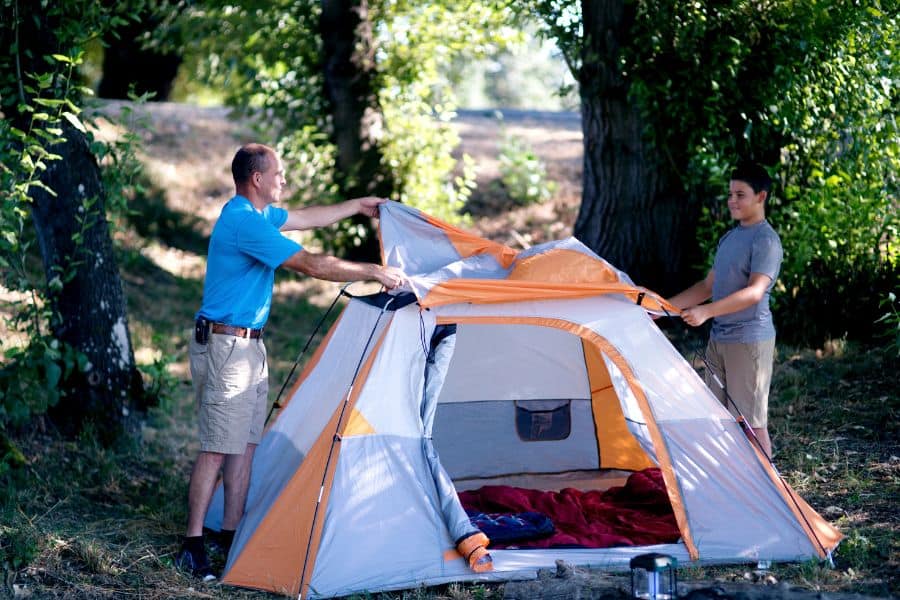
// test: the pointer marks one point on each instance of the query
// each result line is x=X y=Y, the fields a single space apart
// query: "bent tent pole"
x=335 y=438
x=277 y=403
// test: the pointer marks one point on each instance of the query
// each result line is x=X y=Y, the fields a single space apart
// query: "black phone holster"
x=201 y=330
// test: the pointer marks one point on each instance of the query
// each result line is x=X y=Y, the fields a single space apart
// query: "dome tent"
x=354 y=485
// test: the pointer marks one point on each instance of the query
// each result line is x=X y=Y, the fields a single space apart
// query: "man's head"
x=258 y=174
x=747 y=193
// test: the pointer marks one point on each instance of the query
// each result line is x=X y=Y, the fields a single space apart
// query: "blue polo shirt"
x=244 y=250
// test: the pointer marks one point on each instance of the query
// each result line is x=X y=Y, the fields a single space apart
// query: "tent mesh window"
x=543 y=420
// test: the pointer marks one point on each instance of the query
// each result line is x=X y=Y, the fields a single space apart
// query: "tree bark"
x=633 y=213
x=84 y=289
x=348 y=66
x=85 y=292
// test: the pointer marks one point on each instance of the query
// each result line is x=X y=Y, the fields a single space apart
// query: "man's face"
x=744 y=204
x=271 y=181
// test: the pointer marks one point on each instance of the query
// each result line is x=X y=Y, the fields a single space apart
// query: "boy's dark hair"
x=754 y=175
x=249 y=159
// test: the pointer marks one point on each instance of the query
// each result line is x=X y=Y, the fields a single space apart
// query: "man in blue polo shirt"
x=741 y=346
x=227 y=353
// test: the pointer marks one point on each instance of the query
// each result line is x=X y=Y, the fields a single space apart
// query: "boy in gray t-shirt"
x=741 y=346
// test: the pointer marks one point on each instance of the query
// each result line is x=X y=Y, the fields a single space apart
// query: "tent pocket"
x=543 y=420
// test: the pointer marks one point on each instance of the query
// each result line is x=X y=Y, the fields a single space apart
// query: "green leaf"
x=54 y=374
x=48 y=102
x=75 y=121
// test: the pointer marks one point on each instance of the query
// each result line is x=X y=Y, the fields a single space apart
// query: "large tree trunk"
x=348 y=66
x=86 y=292
x=127 y=63
x=633 y=212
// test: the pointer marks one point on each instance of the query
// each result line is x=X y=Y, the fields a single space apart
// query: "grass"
x=80 y=520
x=93 y=522
x=835 y=423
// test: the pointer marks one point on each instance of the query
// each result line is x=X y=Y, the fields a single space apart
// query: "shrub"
x=523 y=174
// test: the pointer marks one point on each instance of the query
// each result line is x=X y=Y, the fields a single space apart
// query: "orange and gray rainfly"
x=354 y=485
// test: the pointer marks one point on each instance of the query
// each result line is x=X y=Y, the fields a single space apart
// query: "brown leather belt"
x=242 y=332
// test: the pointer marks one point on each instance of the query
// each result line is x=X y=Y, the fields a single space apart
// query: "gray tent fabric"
x=443 y=342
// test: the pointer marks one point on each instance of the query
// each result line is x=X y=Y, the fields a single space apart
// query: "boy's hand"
x=695 y=316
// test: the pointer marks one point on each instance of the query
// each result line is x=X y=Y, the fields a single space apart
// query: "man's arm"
x=331 y=268
x=311 y=217
x=694 y=295
x=739 y=300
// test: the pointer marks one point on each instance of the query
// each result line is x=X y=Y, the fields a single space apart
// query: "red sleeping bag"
x=636 y=514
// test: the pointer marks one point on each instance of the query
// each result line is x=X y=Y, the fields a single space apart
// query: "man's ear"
x=763 y=196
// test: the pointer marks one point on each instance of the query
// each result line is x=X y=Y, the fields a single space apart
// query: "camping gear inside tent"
x=529 y=392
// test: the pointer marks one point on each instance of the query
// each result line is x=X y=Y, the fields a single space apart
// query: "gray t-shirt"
x=742 y=251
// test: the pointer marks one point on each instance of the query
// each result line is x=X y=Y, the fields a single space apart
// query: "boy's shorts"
x=231 y=385
x=746 y=372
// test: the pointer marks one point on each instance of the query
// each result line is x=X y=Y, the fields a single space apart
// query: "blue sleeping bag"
x=516 y=527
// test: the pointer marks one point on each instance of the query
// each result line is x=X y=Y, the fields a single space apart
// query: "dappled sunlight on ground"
x=10 y=304
x=175 y=261
x=317 y=292
x=186 y=151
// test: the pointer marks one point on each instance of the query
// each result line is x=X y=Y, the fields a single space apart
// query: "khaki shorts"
x=231 y=385
x=746 y=372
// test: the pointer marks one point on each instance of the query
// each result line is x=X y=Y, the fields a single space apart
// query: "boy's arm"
x=694 y=295
x=739 y=300
x=311 y=217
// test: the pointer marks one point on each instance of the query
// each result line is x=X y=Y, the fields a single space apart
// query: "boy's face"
x=745 y=205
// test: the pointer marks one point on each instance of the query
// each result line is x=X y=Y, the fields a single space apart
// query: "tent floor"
x=581 y=480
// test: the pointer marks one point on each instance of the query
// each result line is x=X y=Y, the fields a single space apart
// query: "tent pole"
x=748 y=431
x=336 y=437
x=277 y=403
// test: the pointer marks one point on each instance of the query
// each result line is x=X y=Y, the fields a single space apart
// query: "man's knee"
x=209 y=461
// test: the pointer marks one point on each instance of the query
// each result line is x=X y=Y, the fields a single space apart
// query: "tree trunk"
x=348 y=66
x=85 y=292
x=127 y=63
x=84 y=289
x=633 y=213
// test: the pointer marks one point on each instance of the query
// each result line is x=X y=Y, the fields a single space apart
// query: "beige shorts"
x=231 y=385
x=746 y=372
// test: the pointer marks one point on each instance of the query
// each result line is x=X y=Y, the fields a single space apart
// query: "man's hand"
x=390 y=277
x=697 y=315
x=368 y=205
